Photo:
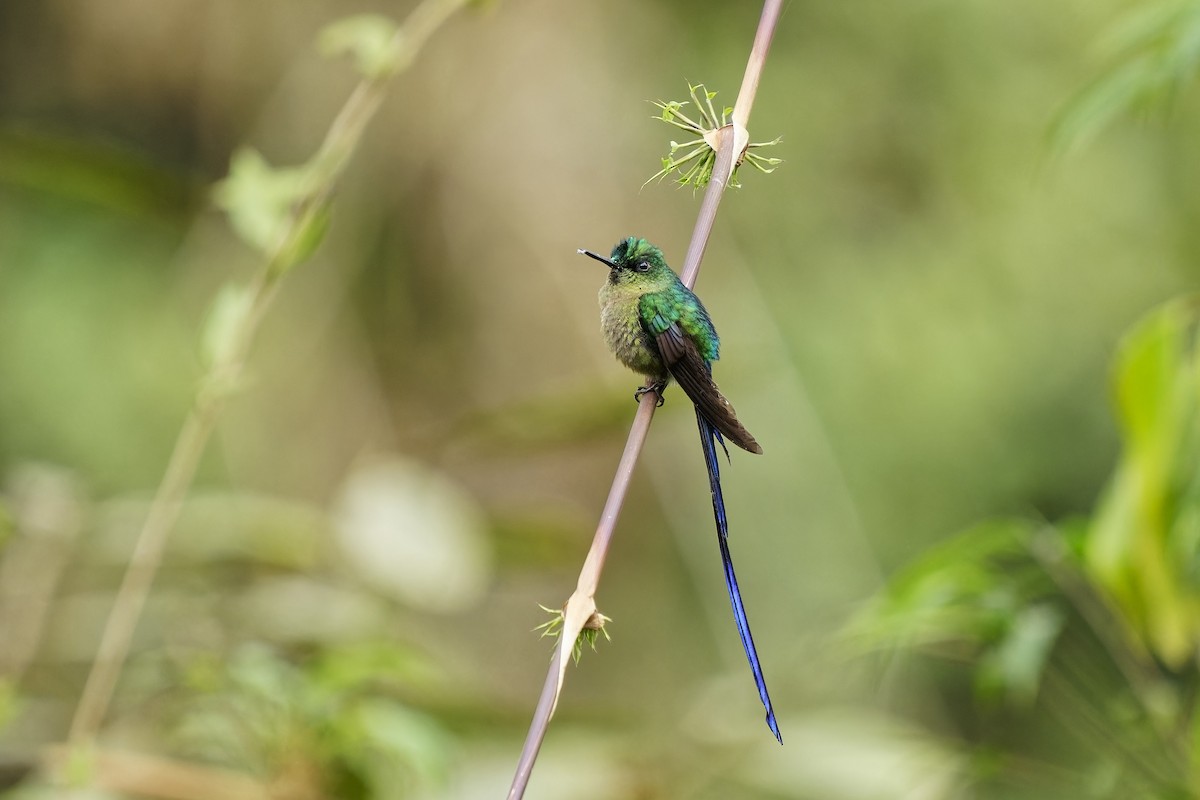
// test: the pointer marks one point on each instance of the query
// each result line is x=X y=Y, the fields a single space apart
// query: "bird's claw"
x=657 y=388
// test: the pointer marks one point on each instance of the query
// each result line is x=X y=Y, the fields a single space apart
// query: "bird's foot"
x=657 y=387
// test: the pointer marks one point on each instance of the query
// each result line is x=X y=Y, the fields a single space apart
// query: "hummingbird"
x=658 y=327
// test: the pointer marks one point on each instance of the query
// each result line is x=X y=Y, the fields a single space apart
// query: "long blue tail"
x=709 y=438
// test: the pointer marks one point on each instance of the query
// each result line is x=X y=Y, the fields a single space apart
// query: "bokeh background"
x=918 y=310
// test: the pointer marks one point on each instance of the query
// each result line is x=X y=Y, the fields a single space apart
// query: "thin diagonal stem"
x=758 y=57
x=164 y=512
x=589 y=576
x=723 y=168
x=330 y=162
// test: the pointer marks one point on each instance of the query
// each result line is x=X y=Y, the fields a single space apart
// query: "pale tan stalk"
x=341 y=141
x=580 y=610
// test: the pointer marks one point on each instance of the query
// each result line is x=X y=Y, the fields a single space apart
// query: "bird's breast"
x=621 y=321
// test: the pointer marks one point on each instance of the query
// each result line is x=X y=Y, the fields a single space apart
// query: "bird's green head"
x=637 y=264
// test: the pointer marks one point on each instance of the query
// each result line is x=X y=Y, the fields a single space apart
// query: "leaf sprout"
x=695 y=165
x=591 y=630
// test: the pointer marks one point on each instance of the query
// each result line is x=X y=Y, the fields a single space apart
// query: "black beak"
x=599 y=258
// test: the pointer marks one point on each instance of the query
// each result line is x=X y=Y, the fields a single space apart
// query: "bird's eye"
x=642 y=267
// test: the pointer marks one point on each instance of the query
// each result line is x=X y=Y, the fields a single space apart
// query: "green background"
x=918 y=313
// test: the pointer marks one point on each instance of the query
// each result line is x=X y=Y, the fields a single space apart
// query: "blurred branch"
x=149 y=776
x=580 y=610
x=294 y=239
x=47 y=520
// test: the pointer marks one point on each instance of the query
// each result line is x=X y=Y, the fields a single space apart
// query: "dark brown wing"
x=693 y=375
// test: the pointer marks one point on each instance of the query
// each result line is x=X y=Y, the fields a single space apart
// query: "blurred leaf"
x=1156 y=51
x=387 y=741
x=970 y=589
x=268 y=714
x=373 y=40
x=259 y=673
x=361 y=666
x=7 y=524
x=309 y=227
x=53 y=790
x=548 y=422
x=249 y=715
x=225 y=319
x=87 y=168
x=1151 y=385
x=301 y=610
x=983 y=590
x=414 y=534
x=260 y=199
x=10 y=701
x=1149 y=25
x=216 y=526
x=543 y=539
x=1014 y=668
x=1115 y=93
x=1142 y=545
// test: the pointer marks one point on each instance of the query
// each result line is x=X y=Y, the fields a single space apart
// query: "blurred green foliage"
x=1019 y=600
x=1154 y=53
x=331 y=719
x=1144 y=543
x=918 y=314
x=371 y=38
x=260 y=199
